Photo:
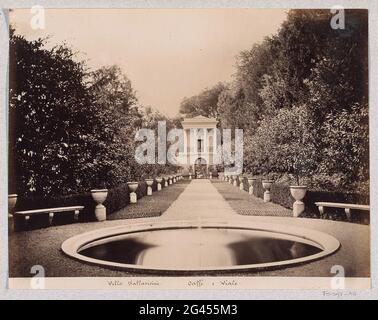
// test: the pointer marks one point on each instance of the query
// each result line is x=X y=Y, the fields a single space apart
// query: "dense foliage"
x=71 y=129
x=301 y=97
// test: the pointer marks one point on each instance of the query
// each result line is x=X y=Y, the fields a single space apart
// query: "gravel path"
x=245 y=204
x=42 y=247
x=151 y=206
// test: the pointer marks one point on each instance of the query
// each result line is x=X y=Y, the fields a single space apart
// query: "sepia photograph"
x=188 y=148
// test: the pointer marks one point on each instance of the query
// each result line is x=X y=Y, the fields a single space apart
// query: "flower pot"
x=99 y=196
x=250 y=182
x=267 y=184
x=235 y=180
x=12 y=199
x=149 y=183
x=133 y=186
x=241 y=185
x=159 y=181
x=298 y=193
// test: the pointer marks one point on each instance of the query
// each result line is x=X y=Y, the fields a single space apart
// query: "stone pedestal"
x=166 y=182
x=267 y=184
x=133 y=186
x=241 y=185
x=170 y=180
x=12 y=199
x=149 y=186
x=133 y=197
x=99 y=196
x=159 y=180
x=250 y=183
x=267 y=196
x=235 y=181
x=298 y=193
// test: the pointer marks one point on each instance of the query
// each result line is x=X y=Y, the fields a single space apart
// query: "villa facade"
x=200 y=144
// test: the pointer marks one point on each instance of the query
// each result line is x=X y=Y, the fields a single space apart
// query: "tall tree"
x=205 y=103
x=52 y=118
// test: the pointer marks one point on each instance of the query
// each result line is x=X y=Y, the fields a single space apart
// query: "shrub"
x=117 y=199
x=281 y=195
x=258 y=189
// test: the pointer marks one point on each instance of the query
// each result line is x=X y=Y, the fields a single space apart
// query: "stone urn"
x=12 y=199
x=241 y=185
x=235 y=178
x=211 y=175
x=298 y=193
x=267 y=184
x=133 y=186
x=170 y=180
x=190 y=176
x=250 y=182
x=99 y=196
x=159 y=180
x=165 y=181
x=230 y=179
x=149 y=183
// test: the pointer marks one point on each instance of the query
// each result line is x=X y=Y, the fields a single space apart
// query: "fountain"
x=202 y=246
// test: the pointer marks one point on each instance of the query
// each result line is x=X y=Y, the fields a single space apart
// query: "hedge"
x=281 y=195
x=117 y=199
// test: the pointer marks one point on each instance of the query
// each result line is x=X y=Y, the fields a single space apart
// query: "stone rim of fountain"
x=324 y=241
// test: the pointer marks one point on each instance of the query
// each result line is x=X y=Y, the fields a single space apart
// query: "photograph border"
x=95 y=292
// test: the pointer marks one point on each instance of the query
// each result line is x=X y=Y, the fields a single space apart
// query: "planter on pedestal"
x=165 y=181
x=159 y=181
x=267 y=184
x=190 y=176
x=133 y=186
x=298 y=193
x=12 y=199
x=149 y=183
x=170 y=180
x=99 y=196
x=250 y=182
x=241 y=185
x=235 y=178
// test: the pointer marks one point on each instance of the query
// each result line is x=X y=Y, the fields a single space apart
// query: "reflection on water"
x=199 y=247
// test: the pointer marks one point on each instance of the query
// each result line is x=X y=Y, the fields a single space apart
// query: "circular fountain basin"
x=190 y=247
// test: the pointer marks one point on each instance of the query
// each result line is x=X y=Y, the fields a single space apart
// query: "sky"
x=168 y=54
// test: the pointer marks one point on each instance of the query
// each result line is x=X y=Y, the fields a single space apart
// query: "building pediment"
x=199 y=122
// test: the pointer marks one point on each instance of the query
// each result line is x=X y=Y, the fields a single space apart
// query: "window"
x=199 y=145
